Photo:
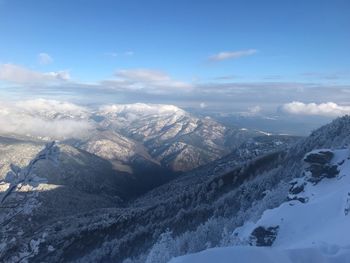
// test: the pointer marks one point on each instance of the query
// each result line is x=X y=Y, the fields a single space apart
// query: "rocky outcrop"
x=263 y=237
x=319 y=165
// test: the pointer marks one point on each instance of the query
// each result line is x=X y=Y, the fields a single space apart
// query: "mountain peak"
x=141 y=109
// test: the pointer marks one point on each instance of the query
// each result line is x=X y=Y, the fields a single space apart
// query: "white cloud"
x=252 y=111
x=232 y=54
x=151 y=81
x=44 y=59
x=18 y=74
x=255 y=110
x=202 y=105
x=44 y=118
x=49 y=108
x=59 y=75
x=329 y=109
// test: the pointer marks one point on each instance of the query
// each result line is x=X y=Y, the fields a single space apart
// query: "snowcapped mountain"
x=162 y=135
x=146 y=144
x=173 y=137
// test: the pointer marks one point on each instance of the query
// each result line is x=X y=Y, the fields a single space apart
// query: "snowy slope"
x=310 y=227
x=244 y=254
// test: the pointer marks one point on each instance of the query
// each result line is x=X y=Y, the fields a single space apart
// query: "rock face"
x=296 y=188
x=319 y=165
x=321 y=157
x=263 y=237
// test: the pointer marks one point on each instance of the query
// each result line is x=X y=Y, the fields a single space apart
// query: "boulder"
x=263 y=237
x=321 y=157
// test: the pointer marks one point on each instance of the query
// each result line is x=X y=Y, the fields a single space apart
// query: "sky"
x=251 y=57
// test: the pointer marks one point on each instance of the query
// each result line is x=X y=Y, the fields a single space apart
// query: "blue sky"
x=189 y=53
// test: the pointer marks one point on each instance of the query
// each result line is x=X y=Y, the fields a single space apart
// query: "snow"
x=314 y=231
x=245 y=254
x=265 y=133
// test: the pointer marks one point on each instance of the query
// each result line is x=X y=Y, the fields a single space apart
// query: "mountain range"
x=151 y=183
x=146 y=144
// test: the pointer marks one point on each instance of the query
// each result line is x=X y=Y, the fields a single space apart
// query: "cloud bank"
x=45 y=119
x=21 y=75
x=155 y=86
x=329 y=109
